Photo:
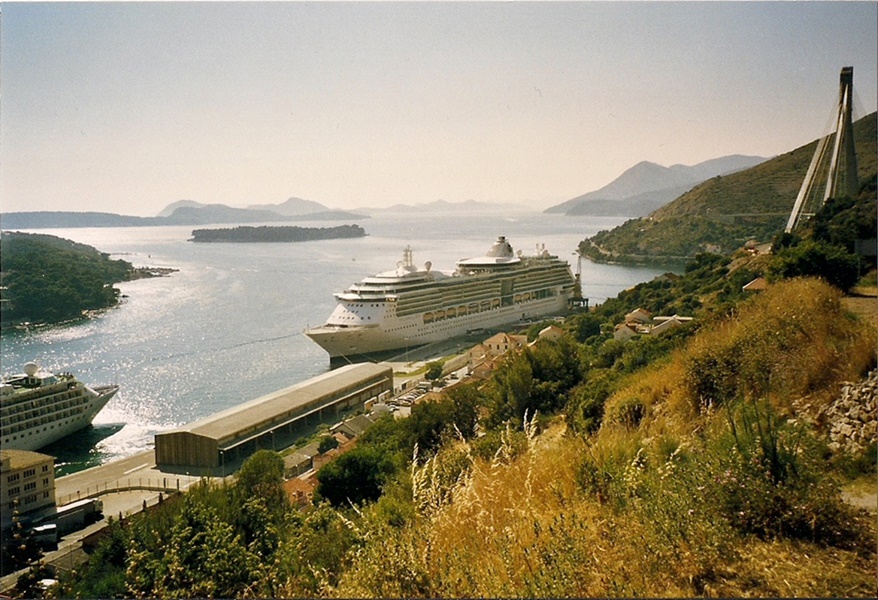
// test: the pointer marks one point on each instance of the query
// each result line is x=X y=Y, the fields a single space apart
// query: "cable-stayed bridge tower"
x=835 y=174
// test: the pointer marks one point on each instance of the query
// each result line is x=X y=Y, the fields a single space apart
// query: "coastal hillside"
x=688 y=464
x=647 y=186
x=703 y=459
x=724 y=212
x=48 y=279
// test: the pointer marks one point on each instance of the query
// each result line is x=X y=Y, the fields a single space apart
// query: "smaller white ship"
x=38 y=407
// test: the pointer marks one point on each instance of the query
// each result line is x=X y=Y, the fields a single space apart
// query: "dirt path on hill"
x=864 y=306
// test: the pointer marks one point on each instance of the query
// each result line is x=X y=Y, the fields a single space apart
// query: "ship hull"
x=343 y=342
x=37 y=437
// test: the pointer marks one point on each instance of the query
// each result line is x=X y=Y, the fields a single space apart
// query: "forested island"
x=276 y=234
x=47 y=279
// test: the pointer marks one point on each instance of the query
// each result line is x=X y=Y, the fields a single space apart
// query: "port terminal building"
x=236 y=433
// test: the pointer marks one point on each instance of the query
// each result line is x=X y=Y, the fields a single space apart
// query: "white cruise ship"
x=411 y=306
x=38 y=407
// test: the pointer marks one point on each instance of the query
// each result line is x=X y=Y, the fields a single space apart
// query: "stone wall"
x=853 y=417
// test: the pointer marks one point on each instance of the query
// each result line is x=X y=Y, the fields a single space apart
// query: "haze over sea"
x=228 y=326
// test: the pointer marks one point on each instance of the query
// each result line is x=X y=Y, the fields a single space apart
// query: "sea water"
x=227 y=326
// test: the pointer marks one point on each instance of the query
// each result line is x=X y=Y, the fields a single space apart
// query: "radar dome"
x=30 y=369
x=428 y=265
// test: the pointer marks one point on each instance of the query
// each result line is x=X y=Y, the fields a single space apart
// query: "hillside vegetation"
x=723 y=213
x=49 y=279
x=276 y=234
x=702 y=474
x=691 y=463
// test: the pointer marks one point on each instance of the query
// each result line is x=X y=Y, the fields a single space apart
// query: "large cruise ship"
x=412 y=306
x=38 y=407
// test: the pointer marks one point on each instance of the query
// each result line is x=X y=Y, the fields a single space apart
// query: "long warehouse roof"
x=261 y=410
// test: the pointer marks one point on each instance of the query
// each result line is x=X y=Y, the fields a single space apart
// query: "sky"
x=127 y=107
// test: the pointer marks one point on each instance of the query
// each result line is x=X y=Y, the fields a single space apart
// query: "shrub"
x=791 y=340
x=628 y=412
x=434 y=371
x=354 y=477
x=770 y=479
x=327 y=443
x=832 y=263
x=585 y=407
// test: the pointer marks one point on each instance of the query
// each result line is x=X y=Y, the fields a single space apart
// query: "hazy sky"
x=127 y=107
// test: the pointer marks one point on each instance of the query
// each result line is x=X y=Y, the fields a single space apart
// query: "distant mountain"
x=721 y=213
x=641 y=204
x=647 y=186
x=446 y=206
x=220 y=213
x=329 y=215
x=170 y=208
x=66 y=219
x=292 y=207
x=187 y=213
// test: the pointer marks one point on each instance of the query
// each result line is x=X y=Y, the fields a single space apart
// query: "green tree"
x=428 y=422
x=327 y=443
x=356 y=476
x=434 y=371
x=205 y=558
x=103 y=576
x=831 y=263
x=262 y=476
x=585 y=405
x=584 y=326
x=465 y=402
x=512 y=384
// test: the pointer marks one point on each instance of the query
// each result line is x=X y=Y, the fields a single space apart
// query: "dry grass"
x=785 y=569
x=794 y=341
x=531 y=524
x=522 y=528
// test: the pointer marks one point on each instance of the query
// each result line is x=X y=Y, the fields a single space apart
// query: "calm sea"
x=227 y=327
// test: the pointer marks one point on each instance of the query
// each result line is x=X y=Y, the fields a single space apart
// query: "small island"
x=276 y=234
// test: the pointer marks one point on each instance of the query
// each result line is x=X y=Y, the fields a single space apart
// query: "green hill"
x=722 y=213
x=47 y=279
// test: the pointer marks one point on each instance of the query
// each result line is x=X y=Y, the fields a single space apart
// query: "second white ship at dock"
x=411 y=306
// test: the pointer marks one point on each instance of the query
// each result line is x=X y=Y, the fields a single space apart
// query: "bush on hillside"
x=628 y=412
x=834 y=264
x=771 y=480
x=354 y=477
x=790 y=341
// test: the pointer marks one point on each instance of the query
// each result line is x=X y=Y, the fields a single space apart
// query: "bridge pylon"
x=837 y=176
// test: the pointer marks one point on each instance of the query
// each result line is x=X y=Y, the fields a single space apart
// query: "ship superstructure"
x=411 y=306
x=38 y=407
